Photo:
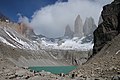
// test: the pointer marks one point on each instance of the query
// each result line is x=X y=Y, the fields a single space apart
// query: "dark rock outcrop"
x=68 y=32
x=109 y=28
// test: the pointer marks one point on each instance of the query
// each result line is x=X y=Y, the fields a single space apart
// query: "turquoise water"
x=54 y=69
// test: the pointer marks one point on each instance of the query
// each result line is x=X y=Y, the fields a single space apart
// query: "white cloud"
x=52 y=19
x=23 y=19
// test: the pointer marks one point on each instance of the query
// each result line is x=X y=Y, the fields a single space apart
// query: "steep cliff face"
x=109 y=28
x=78 y=27
x=26 y=30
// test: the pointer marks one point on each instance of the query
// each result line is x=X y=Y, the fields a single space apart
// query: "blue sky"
x=51 y=20
x=11 y=8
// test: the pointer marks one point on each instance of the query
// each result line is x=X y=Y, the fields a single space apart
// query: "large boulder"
x=78 y=27
x=89 y=26
x=109 y=28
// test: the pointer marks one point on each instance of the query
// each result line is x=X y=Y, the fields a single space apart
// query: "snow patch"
x=68 y=44
x=24 y=45
x=6 y=42
x=117 y=51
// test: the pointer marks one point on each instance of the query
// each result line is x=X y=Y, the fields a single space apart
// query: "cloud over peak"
x=52 y=19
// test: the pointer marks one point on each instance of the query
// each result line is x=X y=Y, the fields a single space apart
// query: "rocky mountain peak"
x=26 y=30
x=4 y=18
x=89 y=26
x=109 y=28
x=78 y=27
x=68 y=32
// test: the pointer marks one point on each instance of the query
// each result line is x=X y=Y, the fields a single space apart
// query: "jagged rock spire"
x=89 y=26
x=68 y=32
x=78 y=27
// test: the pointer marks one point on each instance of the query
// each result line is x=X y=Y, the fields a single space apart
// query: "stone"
x=81 y=78
x=36 y=78
x=26 y=77
x=12 y=76
x=21 y=72
x=7 y=70
x=98 y=68
x=1 y=59
x=112 y=68
x=115 y=78
x=1 y=72
x=62 y=74
x=10 y=73
x=73 y=75
x=98 y=79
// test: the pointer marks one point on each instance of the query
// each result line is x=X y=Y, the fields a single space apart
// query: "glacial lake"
x=54 y=69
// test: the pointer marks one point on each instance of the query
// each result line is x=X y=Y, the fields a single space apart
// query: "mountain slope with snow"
x=12 y=38
x=68 y=44
x=43 y=52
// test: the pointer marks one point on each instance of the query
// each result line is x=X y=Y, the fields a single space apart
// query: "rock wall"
x=26 y=30
x=109 y=28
